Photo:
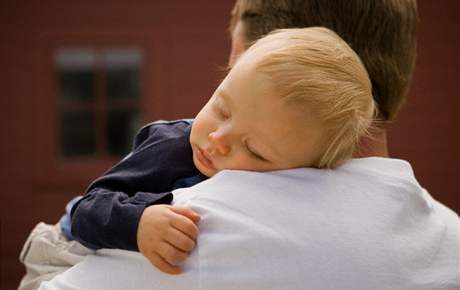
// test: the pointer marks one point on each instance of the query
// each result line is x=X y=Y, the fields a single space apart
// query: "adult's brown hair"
x=382 y=32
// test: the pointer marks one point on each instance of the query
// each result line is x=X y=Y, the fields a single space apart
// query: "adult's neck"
x=374 y=146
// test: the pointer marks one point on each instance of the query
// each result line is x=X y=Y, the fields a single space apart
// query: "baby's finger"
x=180 y=240
x=171 y=254
x=185 y=225
x=186 y=212
x=162 y=265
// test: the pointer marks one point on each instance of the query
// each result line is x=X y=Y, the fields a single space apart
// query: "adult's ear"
x=238 y=43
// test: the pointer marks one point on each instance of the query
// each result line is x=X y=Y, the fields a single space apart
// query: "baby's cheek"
x=251 y=164
x=241 y=162
x=198 y=129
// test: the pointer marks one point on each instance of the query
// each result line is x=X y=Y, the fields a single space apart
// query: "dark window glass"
x=76 y=74
x=76 y=84
x=123 y=73
x=122 y=127
x=99 y=93
x=77 y=134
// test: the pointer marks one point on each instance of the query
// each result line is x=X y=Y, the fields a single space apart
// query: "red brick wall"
x=427 y=132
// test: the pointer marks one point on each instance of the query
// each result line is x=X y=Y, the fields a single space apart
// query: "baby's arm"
x=166 y=235
x=109 y=214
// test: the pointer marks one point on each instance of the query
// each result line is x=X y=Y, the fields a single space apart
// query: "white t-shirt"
x=365 y=225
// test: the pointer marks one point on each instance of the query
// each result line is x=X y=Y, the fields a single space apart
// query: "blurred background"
x=79 y=78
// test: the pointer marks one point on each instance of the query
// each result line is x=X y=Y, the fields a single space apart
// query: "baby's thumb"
x=187 y=212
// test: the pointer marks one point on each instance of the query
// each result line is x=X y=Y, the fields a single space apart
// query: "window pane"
x=75 y=69
x=123 y=68
x=122 y=127
x=77 y=134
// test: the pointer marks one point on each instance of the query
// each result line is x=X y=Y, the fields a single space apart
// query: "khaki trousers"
x=47 y=253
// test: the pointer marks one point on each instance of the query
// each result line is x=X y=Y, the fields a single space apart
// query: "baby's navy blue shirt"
x=107 y=216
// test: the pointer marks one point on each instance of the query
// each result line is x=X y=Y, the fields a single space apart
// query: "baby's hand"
x=166 y=235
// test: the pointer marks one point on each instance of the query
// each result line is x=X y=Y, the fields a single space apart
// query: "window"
x=99 y=93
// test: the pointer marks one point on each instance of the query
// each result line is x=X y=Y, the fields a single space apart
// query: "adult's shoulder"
x=297 y=229
x=323 y=228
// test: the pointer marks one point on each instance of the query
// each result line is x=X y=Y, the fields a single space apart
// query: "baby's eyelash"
x=255 y=154
x=222 y=112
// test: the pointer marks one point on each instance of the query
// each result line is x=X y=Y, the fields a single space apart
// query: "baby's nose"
x=219 y=143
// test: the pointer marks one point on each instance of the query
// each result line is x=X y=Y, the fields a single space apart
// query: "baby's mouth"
x=204 y=158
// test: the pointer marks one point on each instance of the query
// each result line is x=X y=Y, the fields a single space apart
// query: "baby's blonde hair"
x=313 y=68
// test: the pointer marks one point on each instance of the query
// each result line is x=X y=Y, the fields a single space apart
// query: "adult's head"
x=382 y=32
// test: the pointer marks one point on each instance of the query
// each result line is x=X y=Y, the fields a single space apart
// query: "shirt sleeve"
x=109 y=213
